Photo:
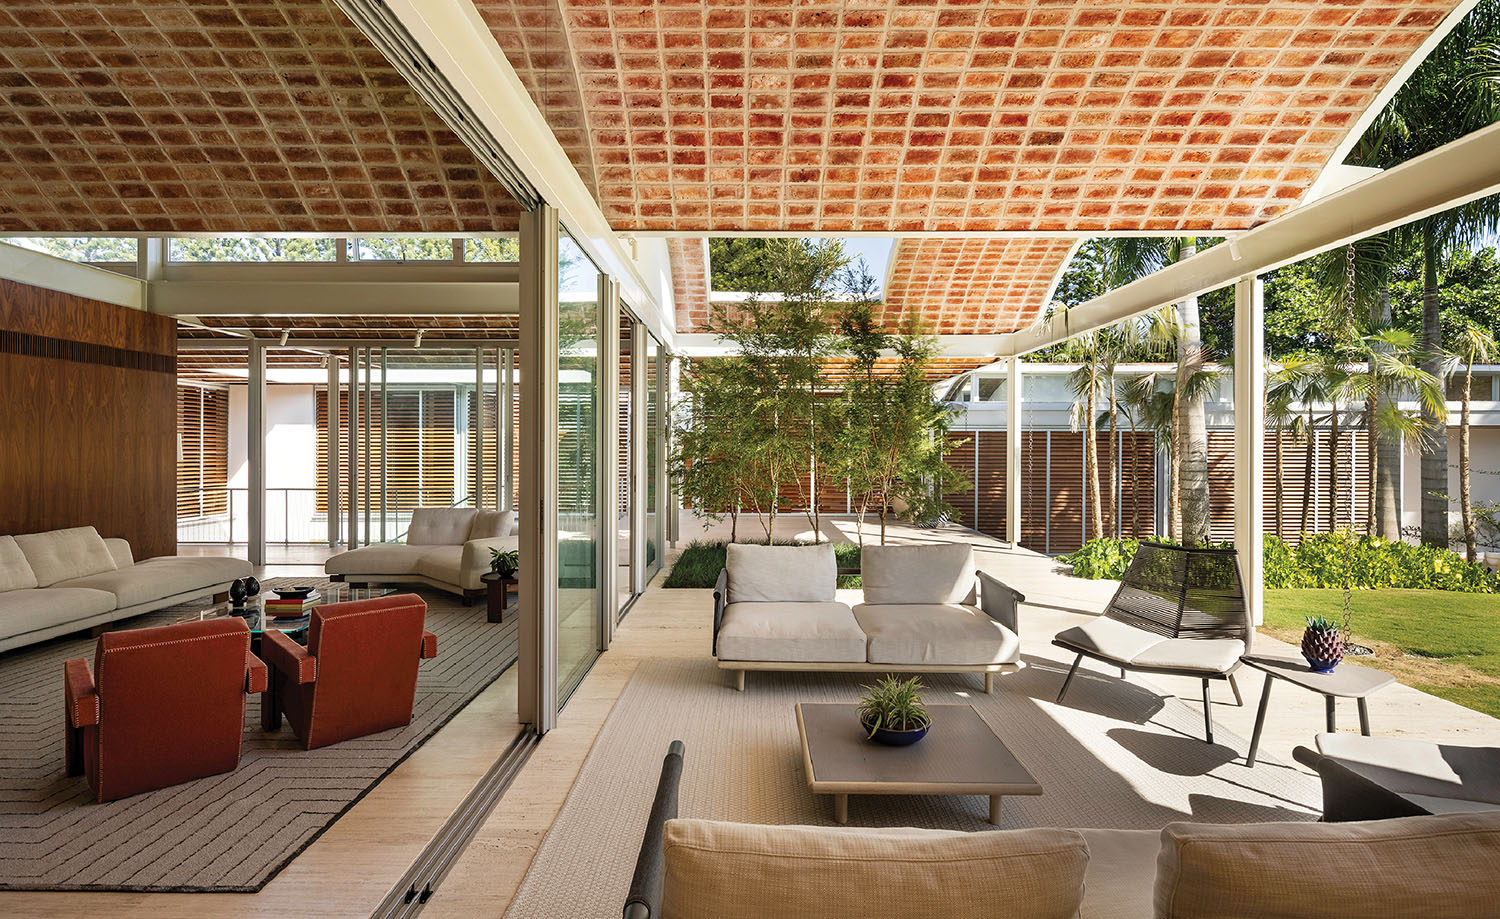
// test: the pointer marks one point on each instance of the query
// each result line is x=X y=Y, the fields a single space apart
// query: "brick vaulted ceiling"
x=973 y=285
x=245 y=116
x=955 y=115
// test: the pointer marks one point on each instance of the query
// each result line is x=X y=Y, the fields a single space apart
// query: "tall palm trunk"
x=1385 y=480
x=1466 y=510
x=1174 y=516
x=1114 y=459
x=1307 y=467
x=1280 y=489
x=1372 y=455
x=1333 y=467
x=1135 y=485
x=1091 y=451
x=1435 y=457
x=1194 y=458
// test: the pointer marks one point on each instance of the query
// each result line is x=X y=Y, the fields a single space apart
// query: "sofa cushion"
x=167 y=576
x=59 y=555
x=747 y=871
x=119 y=550
x=775 y=574
x=934 y=633
x=806 y=632
x=443 y=563
x=918 y=574
x=1108 y=638
x=23 y=611
x=439 y=526
x=1216 y=655
x=381 y=558
x=1433 y=867
x=492 y=524
x=15 y=571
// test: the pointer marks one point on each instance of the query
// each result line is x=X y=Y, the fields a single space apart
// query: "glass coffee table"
x=255 y=616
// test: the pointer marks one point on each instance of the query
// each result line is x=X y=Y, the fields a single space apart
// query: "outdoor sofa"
x=64 y=581
x=926 y=610
x=446 y=547
x=1368 y=778
x=1439 y=867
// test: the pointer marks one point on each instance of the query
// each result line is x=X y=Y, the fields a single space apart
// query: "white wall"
x=1484 y=474
x=291 y=437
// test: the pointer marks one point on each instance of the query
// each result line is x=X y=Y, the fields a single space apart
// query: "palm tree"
x=1085 y=382
x=1474 y=344
x=1310 y=385
x=1154 y=407
x=1453 y=93
x=1282 y=391
x=1393 y=372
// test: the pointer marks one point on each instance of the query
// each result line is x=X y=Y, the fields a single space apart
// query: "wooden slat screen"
x=989 y=487
x=419 y=440
x=1066 y=491
x=491 y=435
x=1297 y=485
x=1034 y=495
x=203 y=451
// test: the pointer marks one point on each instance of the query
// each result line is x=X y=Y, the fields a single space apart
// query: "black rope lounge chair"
x=1179 y=611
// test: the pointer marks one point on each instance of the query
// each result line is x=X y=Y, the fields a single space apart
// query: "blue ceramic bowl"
x=895 y=738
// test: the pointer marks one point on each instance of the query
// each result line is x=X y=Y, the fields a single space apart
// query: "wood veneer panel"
x=87 y=441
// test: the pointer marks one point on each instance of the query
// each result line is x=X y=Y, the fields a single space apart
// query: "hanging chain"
x=1349 y=285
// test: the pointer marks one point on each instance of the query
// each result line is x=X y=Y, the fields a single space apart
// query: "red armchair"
x=163 y=706
x=357 y=675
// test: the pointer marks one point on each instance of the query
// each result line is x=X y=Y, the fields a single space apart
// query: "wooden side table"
x=498 y=593
x=1345 y=682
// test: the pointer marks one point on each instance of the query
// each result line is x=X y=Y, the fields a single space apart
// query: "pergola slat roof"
x=252 y=116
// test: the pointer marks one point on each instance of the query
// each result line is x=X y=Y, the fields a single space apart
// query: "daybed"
x=446 y=547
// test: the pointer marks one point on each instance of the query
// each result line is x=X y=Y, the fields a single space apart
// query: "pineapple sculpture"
x=1323 y=644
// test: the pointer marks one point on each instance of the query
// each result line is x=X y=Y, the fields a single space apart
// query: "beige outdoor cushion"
x=381 y=558
x=1210 y=655
x=492 y=524
x=1429 y=867
x=1108 y=638
x=23 y=611
x=439 y=526
x=934 y=633
x=15 y=571
x=167 y=576
x=59 y=555
x=748 y=871
x=803 y=632
x=918 y=574
x=774 y=574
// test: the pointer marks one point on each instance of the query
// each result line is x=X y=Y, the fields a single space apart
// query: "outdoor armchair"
x=1179 y=611
x=357 y=675
x=162 y=706
x=1372 y=778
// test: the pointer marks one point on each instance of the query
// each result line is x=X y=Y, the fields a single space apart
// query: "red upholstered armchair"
x=357 y=675
x=163 y=706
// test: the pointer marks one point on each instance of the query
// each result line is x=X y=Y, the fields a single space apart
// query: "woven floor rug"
x=226 y=833
x=1115 y=756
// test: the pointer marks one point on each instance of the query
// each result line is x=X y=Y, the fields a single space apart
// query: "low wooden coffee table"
x=961 y=755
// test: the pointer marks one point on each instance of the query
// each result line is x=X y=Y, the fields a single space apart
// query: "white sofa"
x=446 y=547
x=926 y=609
x=65 y=581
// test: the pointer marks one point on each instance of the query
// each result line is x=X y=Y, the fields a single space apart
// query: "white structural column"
x=637 y=464
x=331 y=498
x=351 y=539
x=1250 y=440
x=255 y=439
x=1013 y=483
x=537 y=512
x=608 y=466
x=507 y=448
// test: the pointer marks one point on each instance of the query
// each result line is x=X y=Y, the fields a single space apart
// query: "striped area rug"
x=227 y=833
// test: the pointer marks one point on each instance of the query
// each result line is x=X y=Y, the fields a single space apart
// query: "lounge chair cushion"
x=918 y=574
x=804 y=632
x=1434 y=867
x=781 y=574
x=746 y=871
x=1426 y=773
x=934 y=633
x=1127 y=644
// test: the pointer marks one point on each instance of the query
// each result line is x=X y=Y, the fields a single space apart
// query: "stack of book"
x=280 y=608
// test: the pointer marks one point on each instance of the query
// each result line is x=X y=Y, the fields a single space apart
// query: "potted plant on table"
x=1323 y=644
x=505 y=564
x=891 y=712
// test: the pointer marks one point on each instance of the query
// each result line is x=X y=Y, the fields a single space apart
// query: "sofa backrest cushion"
x=119 y=550
x=918 y=574
x=746 y=871
x=60 y=555
x=440 y=526
x=781 y=574
x=15 y=571
x=492 y=524
x=1435 y=867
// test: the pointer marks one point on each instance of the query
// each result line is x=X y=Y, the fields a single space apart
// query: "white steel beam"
x=323 y=298
x=1250 y=441
x=38 y=269
x=1456 y=173
x=461 y=47
x=255 y=439
x=607 y=469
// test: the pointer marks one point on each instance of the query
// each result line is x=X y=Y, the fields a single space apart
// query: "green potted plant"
x=1323 y=644
x=505 y=564
x=891 y=712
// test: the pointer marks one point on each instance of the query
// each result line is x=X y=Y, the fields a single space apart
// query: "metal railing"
x=220 y=516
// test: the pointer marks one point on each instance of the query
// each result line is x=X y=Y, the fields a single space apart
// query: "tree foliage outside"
x=80 y=248
x=745 y=263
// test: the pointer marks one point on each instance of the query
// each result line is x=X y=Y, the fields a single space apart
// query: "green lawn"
x=1438 y=641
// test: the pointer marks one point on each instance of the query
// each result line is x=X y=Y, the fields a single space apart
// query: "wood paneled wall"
x=88 y=432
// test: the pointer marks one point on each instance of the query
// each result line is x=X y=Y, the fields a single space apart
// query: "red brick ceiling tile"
x=690 y=282
x=252 y=116
x=968 y=285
